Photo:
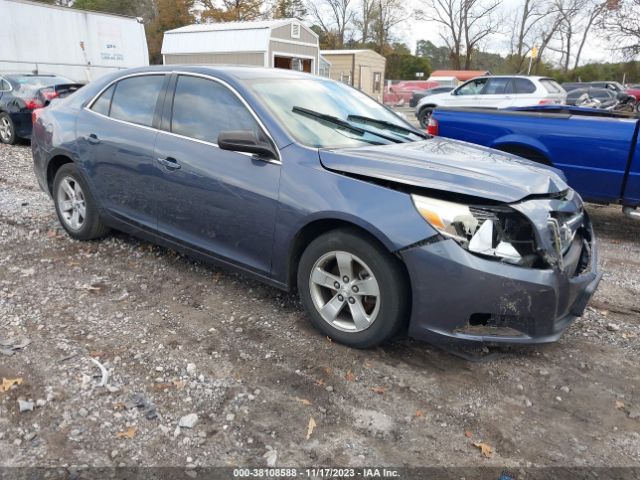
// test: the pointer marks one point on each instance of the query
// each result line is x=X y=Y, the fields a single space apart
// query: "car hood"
x=449 y=166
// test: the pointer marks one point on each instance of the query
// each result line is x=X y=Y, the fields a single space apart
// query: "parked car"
x=605 y=96
x=399 y=93
x=308 y=184
x=633 y=90
x=598 y=151
x=568 y=86
x=611 y=85
x=496 y=91
x=420 y=94
x=20 y=94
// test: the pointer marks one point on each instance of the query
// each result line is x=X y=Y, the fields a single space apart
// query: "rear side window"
x=103 y=103
x=203 y=108
x=4 y=85
x=524 y=86
x=551 y=86
x=135 y=99
x=498 y=86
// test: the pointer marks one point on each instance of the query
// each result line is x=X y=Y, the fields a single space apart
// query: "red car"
x=634 y=91
x=400 y=93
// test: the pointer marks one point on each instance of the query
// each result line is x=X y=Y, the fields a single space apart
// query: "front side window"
x=135 y=99
x=473 y=87
x=524 y=86
x=203 y=108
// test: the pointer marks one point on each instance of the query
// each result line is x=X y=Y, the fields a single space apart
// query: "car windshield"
x=297 y=103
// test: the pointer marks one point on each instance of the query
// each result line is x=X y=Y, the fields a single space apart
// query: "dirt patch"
x=186 y=338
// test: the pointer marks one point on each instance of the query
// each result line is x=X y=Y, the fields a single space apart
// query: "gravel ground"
x=238 y=363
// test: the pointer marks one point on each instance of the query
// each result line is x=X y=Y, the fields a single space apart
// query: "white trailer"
x=76 y=44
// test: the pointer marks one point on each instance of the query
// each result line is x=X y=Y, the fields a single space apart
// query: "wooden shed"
x=363 y=69
x=284 y=43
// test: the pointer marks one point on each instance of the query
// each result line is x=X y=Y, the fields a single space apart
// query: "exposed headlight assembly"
x=496 y=232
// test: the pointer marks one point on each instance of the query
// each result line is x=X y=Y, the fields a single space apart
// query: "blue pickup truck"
x=598 y=152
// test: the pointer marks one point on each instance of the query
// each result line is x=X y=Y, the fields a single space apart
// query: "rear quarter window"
x=135 y=99
x=551 y=86
x=103 y=104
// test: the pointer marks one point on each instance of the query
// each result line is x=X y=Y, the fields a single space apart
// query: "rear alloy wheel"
x=75 y=206
x=424 y=115
x=7 y=130
x=354 y=290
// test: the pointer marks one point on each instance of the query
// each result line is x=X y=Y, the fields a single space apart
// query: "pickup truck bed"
x=598 y=152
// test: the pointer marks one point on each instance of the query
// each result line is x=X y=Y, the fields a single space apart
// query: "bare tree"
x=387 y=14
x=363 y=20
x=528 y=27
x=621 y=26
x=334 y=17
x=466 y=23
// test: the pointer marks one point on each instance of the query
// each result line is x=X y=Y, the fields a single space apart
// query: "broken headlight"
x=492 y=231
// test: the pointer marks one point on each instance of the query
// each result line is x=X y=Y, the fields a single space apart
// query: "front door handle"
x=170 y=163
x=93 y=139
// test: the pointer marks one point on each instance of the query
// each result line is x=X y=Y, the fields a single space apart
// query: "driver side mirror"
x=246 y=141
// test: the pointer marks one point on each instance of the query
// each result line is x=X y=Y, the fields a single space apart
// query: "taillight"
x=35 y=115
x=432 y=126
x=32 y=103
x=49 y=94
x=545 y=101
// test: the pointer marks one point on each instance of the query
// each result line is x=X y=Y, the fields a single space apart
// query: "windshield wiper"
x=338 y=122
x=394 y=127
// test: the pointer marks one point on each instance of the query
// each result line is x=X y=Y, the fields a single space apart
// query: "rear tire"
x=76 y=208
x=424 y=115
x=354 y=290
x=7 y=130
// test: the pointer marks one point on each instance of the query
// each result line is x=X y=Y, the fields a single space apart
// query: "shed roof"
x=349 y=51
x=223 y=37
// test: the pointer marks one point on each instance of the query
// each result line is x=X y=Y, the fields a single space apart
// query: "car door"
x=117 y=134
x=216 y=201
x=497 y=93
x=466 y=95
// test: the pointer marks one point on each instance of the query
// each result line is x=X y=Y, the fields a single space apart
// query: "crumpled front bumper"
x=458 y=296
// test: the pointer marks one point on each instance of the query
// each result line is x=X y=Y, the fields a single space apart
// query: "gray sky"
x=595 y=50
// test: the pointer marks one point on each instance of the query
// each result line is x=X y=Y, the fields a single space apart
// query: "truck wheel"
x=75 y=206
x=7 y=129
x=353 y=289
x=424 y=115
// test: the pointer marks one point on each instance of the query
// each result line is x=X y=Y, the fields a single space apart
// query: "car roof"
x=240 y=73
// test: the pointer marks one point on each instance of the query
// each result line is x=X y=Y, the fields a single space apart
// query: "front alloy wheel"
x=338 y=280
x=353 y=289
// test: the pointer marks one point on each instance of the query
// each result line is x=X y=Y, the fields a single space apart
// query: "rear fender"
x=522 y=141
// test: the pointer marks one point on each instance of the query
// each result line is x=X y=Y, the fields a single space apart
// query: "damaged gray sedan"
x=311 y=186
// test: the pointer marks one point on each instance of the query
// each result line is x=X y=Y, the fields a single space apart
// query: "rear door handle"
x=93 y=139
x=170 y=163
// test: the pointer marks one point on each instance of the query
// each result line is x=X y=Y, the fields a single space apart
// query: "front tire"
x=7 y=130
x=77 y=210
x=353 y=289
